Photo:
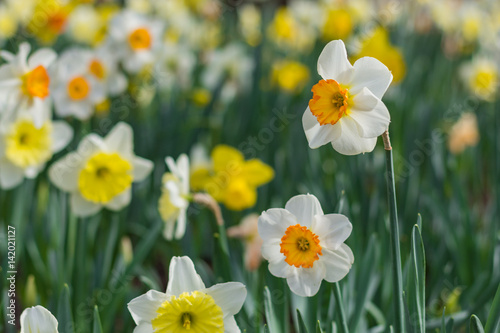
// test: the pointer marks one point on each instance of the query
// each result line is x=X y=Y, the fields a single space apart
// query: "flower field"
x=249 y=166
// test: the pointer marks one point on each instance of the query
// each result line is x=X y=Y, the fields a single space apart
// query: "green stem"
x=338 y=298
x=395 y=250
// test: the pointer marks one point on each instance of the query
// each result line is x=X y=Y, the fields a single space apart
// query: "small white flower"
x=38 y=319
x=100 y=173
x=76 y=89
x=103 y=65
x=188 y=304
x=346 y=109
x=24 y=82
x=174 y=201
x=174 y=67
x=25 y=148
x=135 y=39
x=304 y=246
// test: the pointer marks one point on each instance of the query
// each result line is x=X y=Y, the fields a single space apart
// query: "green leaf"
x=415 y=287
x=97 y=321
x=302 y=325
x=64 y=315
x=475 y=325
x=443 y=321
x=493 y=320
x=318 y=327
x=273 y=322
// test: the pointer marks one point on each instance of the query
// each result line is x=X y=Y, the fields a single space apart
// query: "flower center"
x=300 y=246
x=27 y=145
x=78 y=88
x=97 y=69
x=36 y=83
x=57 y=21
x=104 y=176
x=140 y=39
x=195 y=312
x=329 y=102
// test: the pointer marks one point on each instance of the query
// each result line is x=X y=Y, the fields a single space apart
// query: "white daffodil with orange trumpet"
x=346 y=108
x=101 y=172
x=188 y=305
x=305 y=246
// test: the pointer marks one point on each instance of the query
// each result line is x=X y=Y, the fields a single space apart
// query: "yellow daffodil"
x=290 y=76
x=338 y=24
x=49 y=19
x=481 y=77
x=231 y=180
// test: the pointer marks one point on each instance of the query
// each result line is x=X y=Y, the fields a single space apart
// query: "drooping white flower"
x=135 y=39
x=76 y=89
x=26 y=148
x=304 y=246
x=188 y=304
x=174 y=200
x=101 y=172
x=25 y=83
x=38 y=319
x=346 y=109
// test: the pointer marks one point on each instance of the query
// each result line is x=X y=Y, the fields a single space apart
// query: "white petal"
x=318 y=135
x=144 y=328
x=120 y=201
x=337 y=262
x=306 y=281
x=120 y=139
x=168 y=231
x=43 y=57
x=304 y=207
x=183 y=277
x=351 y=142
x=38 y=319
x=370 y=114
x=142 y=168
x=181 y=224
x=281 y=268
x=333 y=63
x=271 y=251
x=172 y=166
x=143 y=308
x=372 y=74
x=274 y=222
x=65 y=172
x=90 y=145
x=230 y=325
x=22 y=56
x=228 y=296
x=10 y=175
x=117 y=83
x=62 y=134
x=82 y=207
x=332 y=230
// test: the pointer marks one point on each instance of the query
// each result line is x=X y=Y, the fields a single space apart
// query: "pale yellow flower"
x=464 y=133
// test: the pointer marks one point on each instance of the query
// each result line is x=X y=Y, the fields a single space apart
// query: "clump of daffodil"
x=289 y=75
x=187 y=305
x=378 y=45
x=49 y=19
x=174 y=200
x=464 y=133
x=230 y=179
x=101 y=172
x=305 y=246
x=481 y=77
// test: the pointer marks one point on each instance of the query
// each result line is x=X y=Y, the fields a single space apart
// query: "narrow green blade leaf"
x=64 y=315
x=415 y=286
x=443 y=321
x=97 y=321
x=273 y=322
x=475 y=325
x=493 y=321
x=302 y=325
x=318 y=327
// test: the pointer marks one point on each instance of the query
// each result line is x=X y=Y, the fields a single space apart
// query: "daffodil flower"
x=346 y=109
x=38 y=319
x=25 y=83
x=304 y=246
x=100 y=173
x=188 y=304
x=174 y=199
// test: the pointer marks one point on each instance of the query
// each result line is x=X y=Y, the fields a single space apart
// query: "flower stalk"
x=394 y=227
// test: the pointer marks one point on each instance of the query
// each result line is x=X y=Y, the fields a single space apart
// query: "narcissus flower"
x=346 y=108
x=464 y=133
x=101 y=172
x=38 y=319
x=25 y=149
x=305 y=246
x=481 y=77
x=290 y=76
x=231 y=180
x=25 y=82
x=187 y=304
x=174 y=200
x=248 y=231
